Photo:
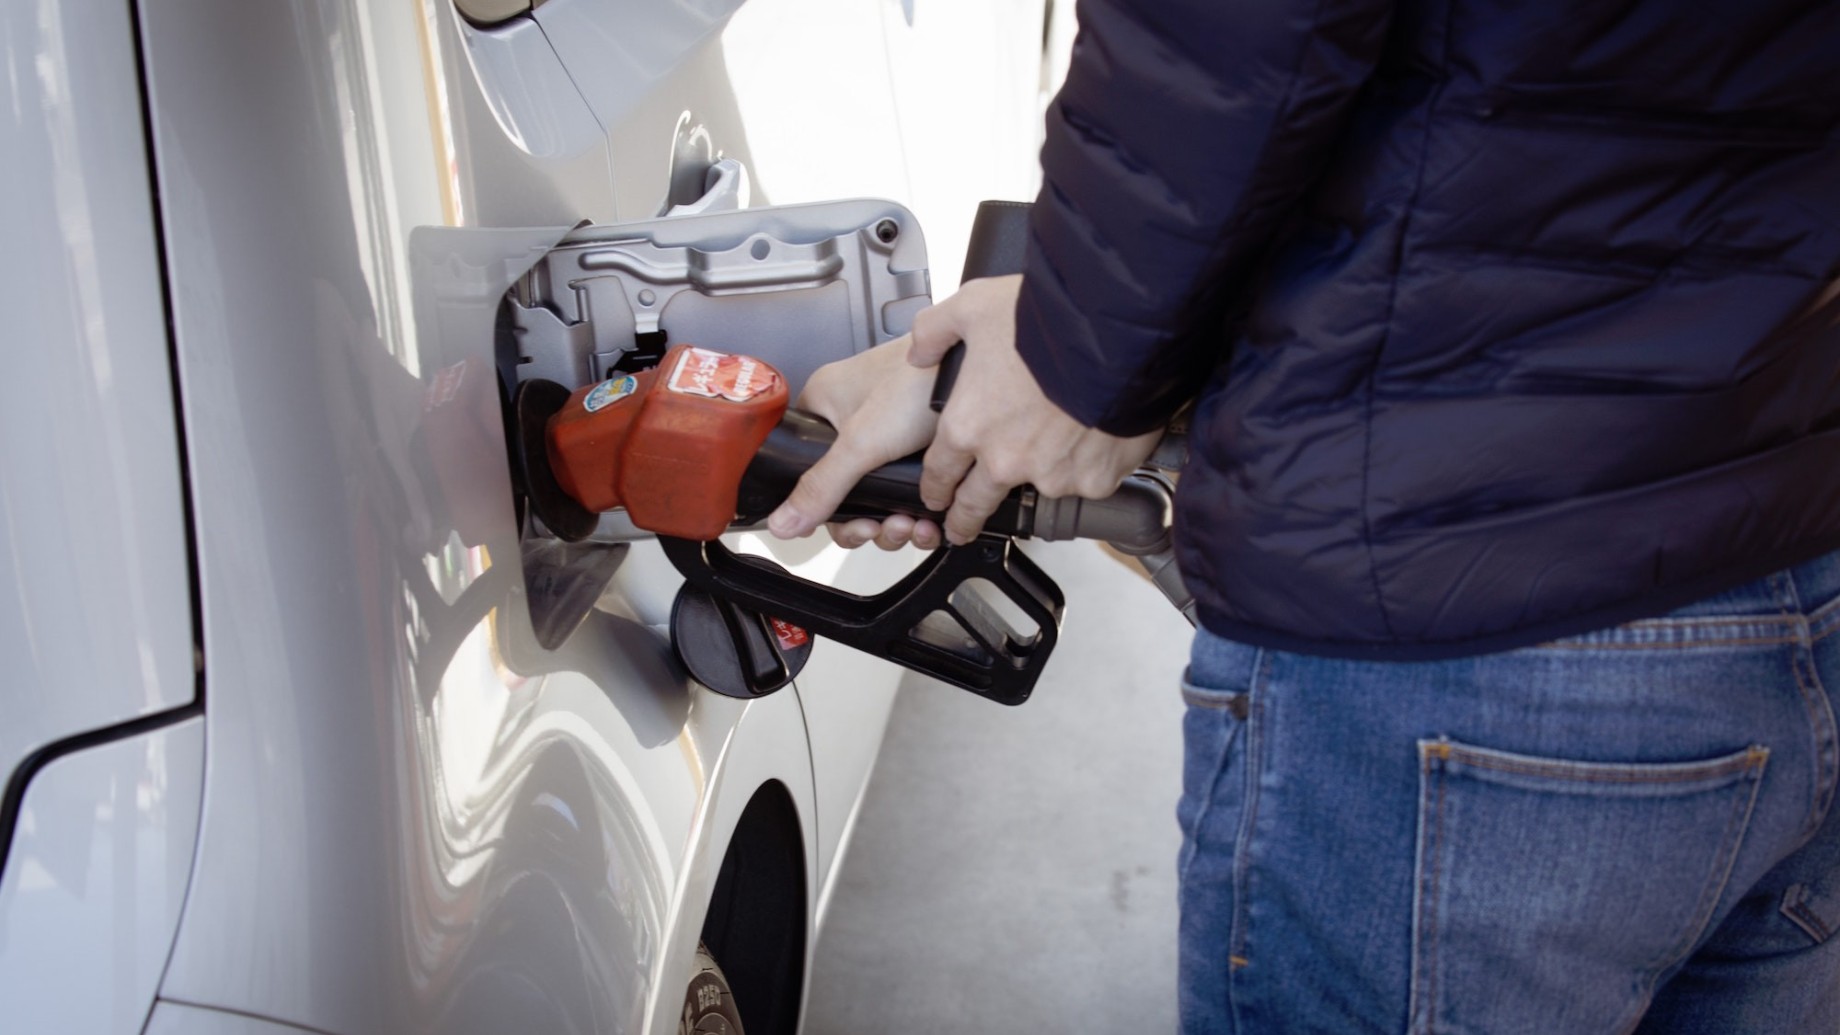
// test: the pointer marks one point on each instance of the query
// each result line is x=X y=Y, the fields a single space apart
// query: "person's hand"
x=880 y=405
x=998 y=429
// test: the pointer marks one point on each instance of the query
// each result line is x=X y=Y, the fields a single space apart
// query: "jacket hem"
x=1652 y=604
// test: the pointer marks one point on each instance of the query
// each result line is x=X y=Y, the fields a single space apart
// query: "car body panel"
x=618 y=54
x=170 y=1018
x=92 y=518
x=524 y=85
x=416 y=818
x=409 y=805
x=95 y=881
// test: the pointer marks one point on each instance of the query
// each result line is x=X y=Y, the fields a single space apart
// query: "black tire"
x=709 y=1006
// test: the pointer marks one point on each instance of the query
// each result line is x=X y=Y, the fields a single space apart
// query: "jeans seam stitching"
x=1694 y=621
x=1747 y=641
x=1437 y=881
x=1736 y=765
x=1242 y=842
x=1425 y=884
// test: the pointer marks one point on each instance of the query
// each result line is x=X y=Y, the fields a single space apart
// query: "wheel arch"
x=758 y=916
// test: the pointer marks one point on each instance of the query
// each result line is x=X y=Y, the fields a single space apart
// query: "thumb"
x=819 y=491
x=927 y=352
x=935 y=332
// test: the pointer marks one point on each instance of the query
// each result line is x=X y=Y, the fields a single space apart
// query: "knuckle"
x=1005 y=470
x=848 y=443
x=1053 y=486
x=976 y=499
x=955 y=436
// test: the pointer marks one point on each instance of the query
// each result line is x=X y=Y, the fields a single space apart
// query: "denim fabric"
x=1629 y=830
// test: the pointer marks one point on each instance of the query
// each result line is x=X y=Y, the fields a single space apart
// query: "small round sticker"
x=610 y=391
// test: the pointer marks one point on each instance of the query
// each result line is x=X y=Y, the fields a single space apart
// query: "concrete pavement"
x=1014 y=868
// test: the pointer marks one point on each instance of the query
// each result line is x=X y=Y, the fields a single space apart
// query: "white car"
x=306 y=725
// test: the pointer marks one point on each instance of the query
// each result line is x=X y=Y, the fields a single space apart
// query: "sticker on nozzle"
x=790 y=636
x=609 y=392
x=718 y=375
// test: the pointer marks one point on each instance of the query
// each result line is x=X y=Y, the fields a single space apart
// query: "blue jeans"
x=1630 y=830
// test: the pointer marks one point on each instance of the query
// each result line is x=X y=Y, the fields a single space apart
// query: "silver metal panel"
x=95 y=882
x=797 y=285
x=97 y=626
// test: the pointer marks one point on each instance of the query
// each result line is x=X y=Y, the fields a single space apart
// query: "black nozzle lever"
x=981 y=616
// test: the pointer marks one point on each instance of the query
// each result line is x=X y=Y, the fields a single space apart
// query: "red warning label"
x=718 y=375
x=789 y=635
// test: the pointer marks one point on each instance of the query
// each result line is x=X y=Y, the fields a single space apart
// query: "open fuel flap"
x=799 y=285
x=652 y=365
x=796 y=285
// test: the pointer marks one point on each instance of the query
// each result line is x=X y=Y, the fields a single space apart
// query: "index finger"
x=820 y=490
x=979 y=496
x=941 y=470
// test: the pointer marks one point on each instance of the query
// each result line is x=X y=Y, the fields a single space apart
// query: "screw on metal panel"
x=886 y=231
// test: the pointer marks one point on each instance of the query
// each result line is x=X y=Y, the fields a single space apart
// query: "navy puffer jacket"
x=1507 y=320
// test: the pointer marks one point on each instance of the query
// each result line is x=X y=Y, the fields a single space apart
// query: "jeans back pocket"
x=1551 y=894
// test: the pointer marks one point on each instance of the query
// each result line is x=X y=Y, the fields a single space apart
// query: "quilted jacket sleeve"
x=1184 y=133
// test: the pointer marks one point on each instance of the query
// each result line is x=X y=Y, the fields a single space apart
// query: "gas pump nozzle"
x=705 y=442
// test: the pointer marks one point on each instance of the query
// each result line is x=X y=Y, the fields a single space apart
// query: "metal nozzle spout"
x=1135 y=519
